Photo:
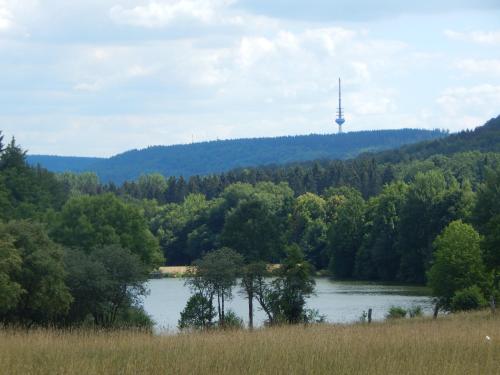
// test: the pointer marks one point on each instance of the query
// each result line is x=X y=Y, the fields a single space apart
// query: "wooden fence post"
x=369 y=315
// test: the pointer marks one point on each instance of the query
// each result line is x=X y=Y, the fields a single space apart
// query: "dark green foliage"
x=471 y=298
x=220 y=156
x=105 y=284
x=484 y=138
x=34 y=274
x=26 y=192
x=88 y=222
x=487 y=219
x=431 y=204
x=199 y=313
x=308 y=228
x=10 y=266
x=294 y=283
x=254 y=231
x=379 y=256
x=134 y=317
x=346 y=231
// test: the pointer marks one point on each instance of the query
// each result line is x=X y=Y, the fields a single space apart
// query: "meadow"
x=455 y=344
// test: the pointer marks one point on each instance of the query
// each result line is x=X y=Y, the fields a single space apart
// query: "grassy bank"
x=450 y=345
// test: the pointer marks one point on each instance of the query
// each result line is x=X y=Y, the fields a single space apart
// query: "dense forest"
x=76 y=251
x=219 y=156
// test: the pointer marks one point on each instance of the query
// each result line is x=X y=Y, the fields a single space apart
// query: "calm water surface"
x=340 y=302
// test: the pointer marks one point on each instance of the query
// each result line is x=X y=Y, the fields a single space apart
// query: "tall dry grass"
x=449 y=345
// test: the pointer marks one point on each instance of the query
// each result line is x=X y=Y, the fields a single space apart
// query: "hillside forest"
x=74 y=250
x=204 y=158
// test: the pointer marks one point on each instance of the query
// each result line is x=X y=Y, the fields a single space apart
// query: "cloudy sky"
x=97 y=77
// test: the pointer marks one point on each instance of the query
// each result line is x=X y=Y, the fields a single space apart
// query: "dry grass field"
x=450 y=345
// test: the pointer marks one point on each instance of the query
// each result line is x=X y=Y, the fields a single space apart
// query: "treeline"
x=75 y=251
x=220 y=156
x=386 y=236
x=66 y=259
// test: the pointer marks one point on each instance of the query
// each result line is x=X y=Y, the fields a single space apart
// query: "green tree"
x=86 y=183
x=432 y=203
x=152 y=186
x=379 y=256
x=10 y=265
x=457 y=262
x=487 y=219
x=308 y=228
x=25 y=191
x=184 y=229
x=215 y=275
x=346 y=230
x=89 y=222
x=293 y=284
x=104 y=284
x=44 y=297
x=252 y=279
x=199 y=313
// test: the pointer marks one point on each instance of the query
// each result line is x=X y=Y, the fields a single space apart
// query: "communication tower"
x=340 y=115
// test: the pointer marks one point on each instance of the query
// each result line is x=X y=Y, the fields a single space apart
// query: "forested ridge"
x=219 y=156
x=76 y=251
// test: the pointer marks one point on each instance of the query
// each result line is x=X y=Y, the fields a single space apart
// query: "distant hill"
x=484 y=138
x=64 y=163
x=220 y=156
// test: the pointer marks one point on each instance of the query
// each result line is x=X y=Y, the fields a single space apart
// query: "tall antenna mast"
x=340 y=117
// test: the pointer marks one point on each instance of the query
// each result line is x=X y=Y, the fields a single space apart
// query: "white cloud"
x=479 y=37
x=252 y=49
x=488 y=67
x=467 y=107
x=6 y=17
x=157 y=13
x=85 y=86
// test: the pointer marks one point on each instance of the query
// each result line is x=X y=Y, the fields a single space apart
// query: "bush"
x=415 y=312
x=198 y=313
x=471 y=298
x=232 y=321
x=396 y=312
x=312 y=316
x=135 y=317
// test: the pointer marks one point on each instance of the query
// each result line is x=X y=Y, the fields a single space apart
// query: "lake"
x=339 y=302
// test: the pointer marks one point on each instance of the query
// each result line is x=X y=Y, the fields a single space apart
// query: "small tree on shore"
x=198 y=313
x=284 y=298
x=215 y=275
x=457 y=262
x=252 y=279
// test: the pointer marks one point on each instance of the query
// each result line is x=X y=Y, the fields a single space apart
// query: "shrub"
x=415 y=311
x=471 y=298
x=135 y=317
x=232 y=321
x=396 y=312
x=198 y=313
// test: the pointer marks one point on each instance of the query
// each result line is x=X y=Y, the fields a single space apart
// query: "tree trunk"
x=223 y=316
x=250 y=309
x=436 y=311
x=219 y=308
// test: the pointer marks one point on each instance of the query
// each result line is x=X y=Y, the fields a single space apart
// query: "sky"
x=99 y=77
